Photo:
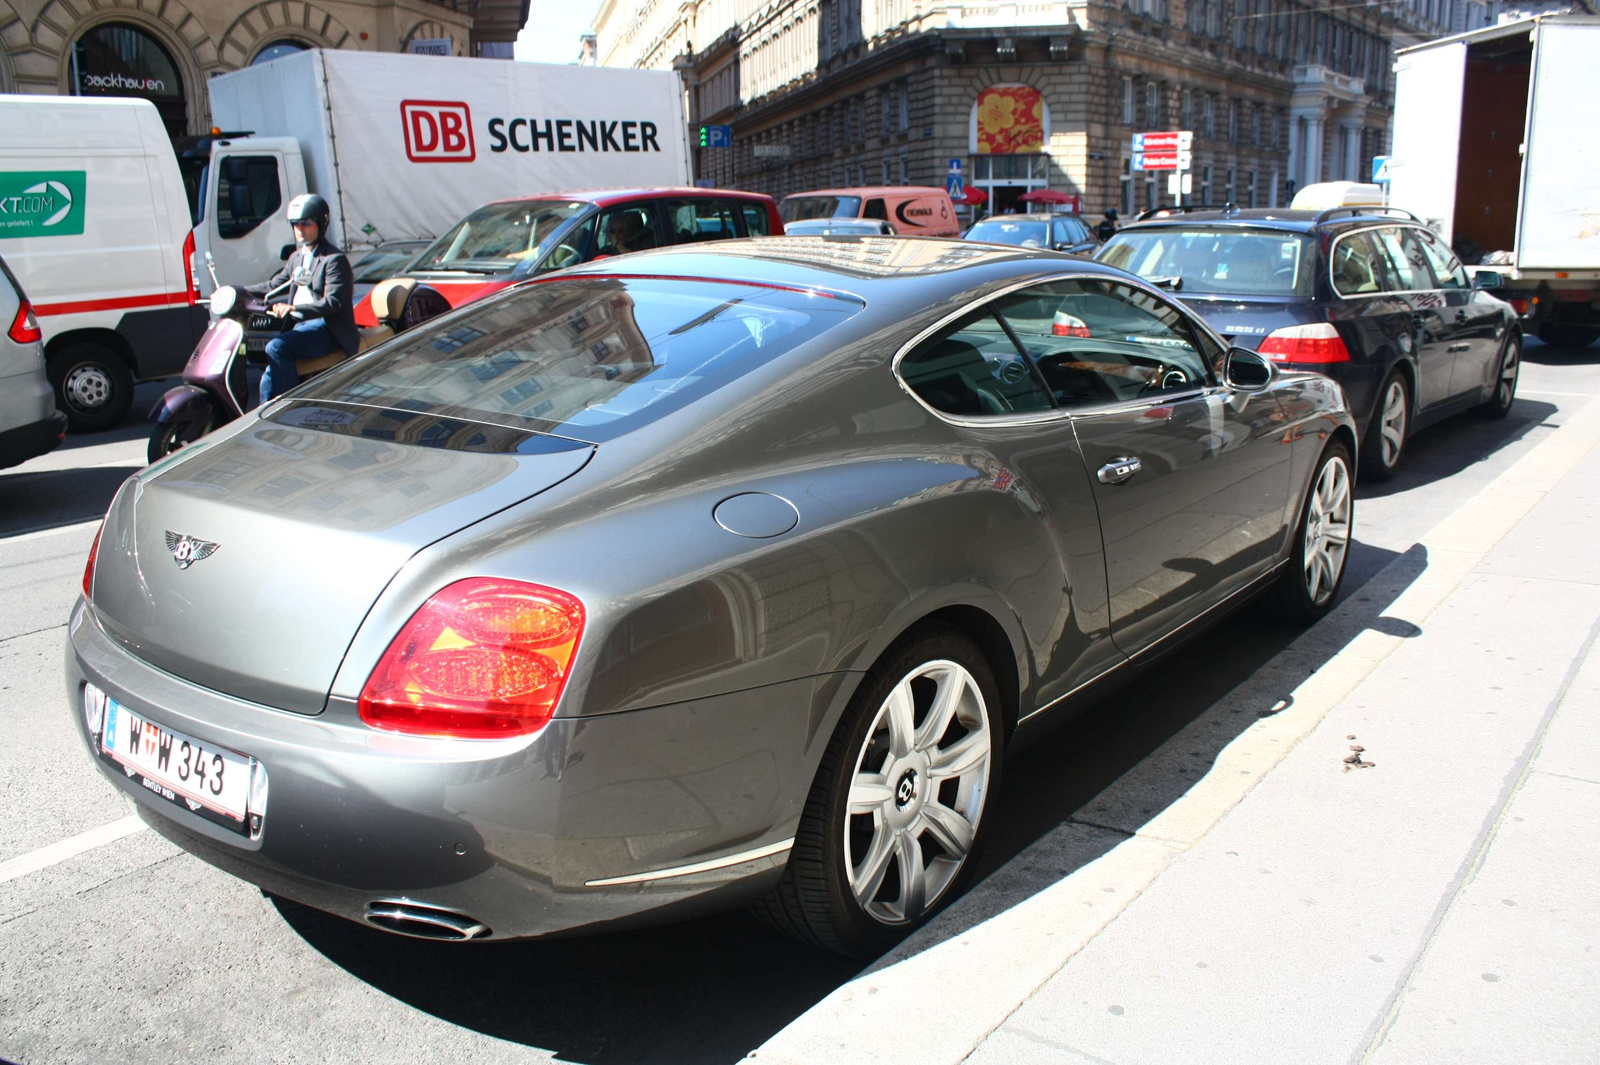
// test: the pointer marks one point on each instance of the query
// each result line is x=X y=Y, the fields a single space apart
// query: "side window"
x=1358 y=267
x=973 y=369
x=689 y=221
x=570 y=249
x=247 y=193
x=875 y=209
x=1447 y=269
x=756 y=222
x=1061 y=233
x=1406 y=259
x=1104 y=342
x=624 y=229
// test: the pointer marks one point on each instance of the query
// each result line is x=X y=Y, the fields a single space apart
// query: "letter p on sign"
x=437 y=131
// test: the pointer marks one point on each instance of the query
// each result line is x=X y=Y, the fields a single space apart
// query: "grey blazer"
x=332 y=285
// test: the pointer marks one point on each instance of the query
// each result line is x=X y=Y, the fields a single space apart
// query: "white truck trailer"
x=402 y=146
x=1497 y=148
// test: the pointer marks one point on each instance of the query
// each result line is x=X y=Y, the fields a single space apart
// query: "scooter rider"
x=1108 y=228
x=323 y=296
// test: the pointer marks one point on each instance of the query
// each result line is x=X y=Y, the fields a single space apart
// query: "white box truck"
x=402 y=146
x=1497 y=148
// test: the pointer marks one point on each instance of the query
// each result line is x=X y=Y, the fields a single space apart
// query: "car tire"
x=901 y=818
x=93 y=386
x=1507 y=368
x=1320 y=547
x=1563 y=335
x=1389 y=430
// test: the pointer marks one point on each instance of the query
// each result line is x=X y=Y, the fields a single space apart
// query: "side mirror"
x=1487 y=279
x=284 y=252
x=1247 y=371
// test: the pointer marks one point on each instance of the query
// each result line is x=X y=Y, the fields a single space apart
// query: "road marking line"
x=49 y=530
x=71 y=847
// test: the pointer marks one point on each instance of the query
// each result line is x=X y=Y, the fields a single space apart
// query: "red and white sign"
x=1165 y=160
x=438 y=131
x=1171 y=140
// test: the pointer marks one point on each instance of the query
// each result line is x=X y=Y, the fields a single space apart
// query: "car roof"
x=862 y=266
x=610 y=197
x=870 y=190
x=1272 y=218
x=1036 y=216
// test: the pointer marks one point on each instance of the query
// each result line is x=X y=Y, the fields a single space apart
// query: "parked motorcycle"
x=215 y=388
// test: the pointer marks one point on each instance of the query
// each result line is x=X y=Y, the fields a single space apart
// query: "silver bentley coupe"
x=713 y=576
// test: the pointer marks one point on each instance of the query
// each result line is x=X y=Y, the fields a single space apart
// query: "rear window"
x=795 y=208
x=500 y=236
x=1009 y=231
x=588 y=357
x=1224 y=259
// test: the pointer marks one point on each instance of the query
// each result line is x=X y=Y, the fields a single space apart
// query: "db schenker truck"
x=402 y=146
x=1497 y=148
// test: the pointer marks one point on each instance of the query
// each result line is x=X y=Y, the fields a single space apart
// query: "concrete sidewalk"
x=1439 y=905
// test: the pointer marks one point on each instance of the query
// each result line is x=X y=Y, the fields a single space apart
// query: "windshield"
x=193 y=169
x=1224 y=260
x=1011 y=231
x=794 y=208
x=587 y=357
x=382 y=264
x=500 y=236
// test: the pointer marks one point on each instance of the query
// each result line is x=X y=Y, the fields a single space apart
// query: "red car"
x=508 y=241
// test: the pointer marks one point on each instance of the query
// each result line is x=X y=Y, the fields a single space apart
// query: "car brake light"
x=483 y=658
x=88 y=567
x=1519 y=305
x=1309 y=344
x=25 y=327
x=1067 y=325
x=189 y=276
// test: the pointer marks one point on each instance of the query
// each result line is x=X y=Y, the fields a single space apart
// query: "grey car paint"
x=30 y=425
x=718 y=657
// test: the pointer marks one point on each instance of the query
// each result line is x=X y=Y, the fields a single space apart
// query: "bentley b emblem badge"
x=186 y=550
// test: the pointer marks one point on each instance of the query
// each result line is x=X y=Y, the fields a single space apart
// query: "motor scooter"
x=215 y=388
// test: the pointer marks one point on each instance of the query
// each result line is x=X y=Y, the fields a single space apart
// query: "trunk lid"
x=246 y=566
x=1247 y=322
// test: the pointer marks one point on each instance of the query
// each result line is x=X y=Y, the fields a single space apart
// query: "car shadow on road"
x=711 y=990
x=1537 y=351
x=48 y=499
x=1445 y=449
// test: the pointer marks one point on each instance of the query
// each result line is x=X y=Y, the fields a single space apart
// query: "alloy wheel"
x=1327 y=531
x=1392 y=423
x=917 y=792
x=1510 y=366
x=87 y=387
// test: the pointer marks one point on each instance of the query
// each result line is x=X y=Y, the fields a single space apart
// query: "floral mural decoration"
x=1010 y=120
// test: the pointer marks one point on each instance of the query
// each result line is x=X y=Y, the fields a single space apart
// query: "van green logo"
x=41 y=203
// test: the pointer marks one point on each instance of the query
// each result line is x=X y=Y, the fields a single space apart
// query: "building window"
x=1150 y=200
x=885 y=105
x=1210 y=115
x=1233 y=121
x=1127 y=186
x=1152 y=105
x=1255 y=126
x=1229 y=197
x=119 y=59
x=1128 y=117
x=905 y=105
x=905 y=170
x=1251 y=189
x=1188 y=110
x=885 y=180
x=1205 y=185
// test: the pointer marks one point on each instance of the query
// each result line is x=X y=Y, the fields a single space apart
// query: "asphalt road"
x=133 y=951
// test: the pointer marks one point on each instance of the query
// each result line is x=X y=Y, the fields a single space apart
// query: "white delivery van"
x=94 y=223
x=1497 y=148
x=402 y=146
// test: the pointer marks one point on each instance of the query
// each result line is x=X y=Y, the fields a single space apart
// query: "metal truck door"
x=1427 y=133
x=245 y=225
x=1557 y=221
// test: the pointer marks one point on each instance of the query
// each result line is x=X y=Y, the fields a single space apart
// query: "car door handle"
x=1118 y=470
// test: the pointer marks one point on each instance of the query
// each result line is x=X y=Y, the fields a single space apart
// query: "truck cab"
x=238 y=187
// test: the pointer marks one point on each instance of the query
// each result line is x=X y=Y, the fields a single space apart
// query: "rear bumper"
x=24 y=442
x=512 y=833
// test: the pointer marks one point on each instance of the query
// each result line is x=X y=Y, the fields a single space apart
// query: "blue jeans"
x=308 y=340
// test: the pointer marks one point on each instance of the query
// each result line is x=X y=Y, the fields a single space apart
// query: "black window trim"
x=1057 y=413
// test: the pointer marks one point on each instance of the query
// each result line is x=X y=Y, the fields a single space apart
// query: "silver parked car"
x=30 y=425
x=715 y=575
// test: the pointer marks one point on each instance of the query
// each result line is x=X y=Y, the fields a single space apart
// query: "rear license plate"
x=201 y=777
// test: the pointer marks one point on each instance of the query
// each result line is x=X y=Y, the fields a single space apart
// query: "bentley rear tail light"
x=88 y=567
x=1305 y=344
x=1069 y=325
x=25 y=327
x=483 y=658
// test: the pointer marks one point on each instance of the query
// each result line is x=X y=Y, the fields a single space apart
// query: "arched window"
x=118 y=59
x=279 y=49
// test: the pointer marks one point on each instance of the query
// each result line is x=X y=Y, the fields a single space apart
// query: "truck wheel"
x=1385 y=444
x=93 y=386
x=1563 y=335
x=1498 y=405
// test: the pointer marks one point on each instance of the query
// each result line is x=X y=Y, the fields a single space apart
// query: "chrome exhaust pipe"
x=406 y=918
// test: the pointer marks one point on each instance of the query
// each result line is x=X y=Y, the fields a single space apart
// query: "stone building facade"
x=165 y=50
x=830 y=93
